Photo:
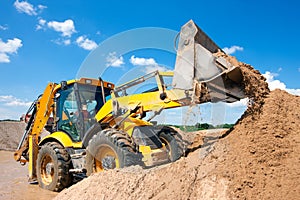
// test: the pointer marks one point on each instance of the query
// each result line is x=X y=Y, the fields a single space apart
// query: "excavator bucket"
x=200 y=62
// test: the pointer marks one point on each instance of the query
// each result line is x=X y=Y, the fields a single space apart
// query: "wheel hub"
x=49 y=169
x=106 y=158
x=108 y=162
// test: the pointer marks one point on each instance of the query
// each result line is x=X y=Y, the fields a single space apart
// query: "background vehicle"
x=96 y=126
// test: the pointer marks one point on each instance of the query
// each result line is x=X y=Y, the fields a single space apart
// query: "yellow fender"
x=62 y=138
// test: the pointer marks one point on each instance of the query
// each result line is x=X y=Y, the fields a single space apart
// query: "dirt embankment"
x=14 y=181
x=263 y=155
x=257 y=159
x=10 y=134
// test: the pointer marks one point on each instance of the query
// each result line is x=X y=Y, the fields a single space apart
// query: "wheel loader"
x=94 y=125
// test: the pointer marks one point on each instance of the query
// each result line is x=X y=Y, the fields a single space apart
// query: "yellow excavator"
x=94 y=125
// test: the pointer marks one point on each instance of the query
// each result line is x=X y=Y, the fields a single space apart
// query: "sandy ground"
x=13 y=176
x=14 y=185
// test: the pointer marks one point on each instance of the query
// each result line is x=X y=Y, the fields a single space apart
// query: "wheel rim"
x=106 y=158
x=47 y=170
x=167 y=145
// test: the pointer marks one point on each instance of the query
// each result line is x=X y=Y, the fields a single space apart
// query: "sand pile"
x=263 y=155
x=257 y=159
x=10 y=134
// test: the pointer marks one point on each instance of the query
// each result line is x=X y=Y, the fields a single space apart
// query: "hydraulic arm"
x=28 y=147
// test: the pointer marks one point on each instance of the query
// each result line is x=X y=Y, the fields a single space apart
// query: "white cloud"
x=25 y=7
x=4 y=58
x=62 y=41
x=152 y=68
x=41 y=7
x=38 y=27
x=3 y=28
x=28 y=8
x=293 y=91
x=240 y=103
x=67 y=42
x=85 y=43
x=5 y=98
x=142 y=61
x=114 y=61
x=67 y=27
x=18 y=102
x=9 y=100
x=41 y=24
x=273 y=84
x=9 y=47
x=149 y=63
x=232 y=49
x=277 y=84
x=12 y=107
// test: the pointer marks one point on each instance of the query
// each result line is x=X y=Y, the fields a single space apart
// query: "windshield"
x=76 y=108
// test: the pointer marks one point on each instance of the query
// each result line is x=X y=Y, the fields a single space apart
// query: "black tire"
x=110 y=149
x=53 y=164
x=173 y=143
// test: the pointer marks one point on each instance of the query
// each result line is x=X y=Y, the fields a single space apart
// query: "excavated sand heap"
x=263 y=155
x=258 y=159
x=10 y=134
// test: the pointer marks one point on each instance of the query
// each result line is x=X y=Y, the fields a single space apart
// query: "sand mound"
x=10 y=134
x=262 y=157
x=258 y=159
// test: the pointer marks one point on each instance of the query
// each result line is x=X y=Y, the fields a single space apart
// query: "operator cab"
x=77 y=104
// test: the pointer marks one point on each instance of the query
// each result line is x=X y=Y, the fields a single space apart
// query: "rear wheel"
x=53 y=165
x=167 y=136
x=110 y=149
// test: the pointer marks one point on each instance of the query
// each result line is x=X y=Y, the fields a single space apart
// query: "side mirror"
x=57 y=95
x=64 y=85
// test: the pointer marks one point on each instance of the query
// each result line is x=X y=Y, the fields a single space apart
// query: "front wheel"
x=173 y=145
x=110 y=149
x=53 y=165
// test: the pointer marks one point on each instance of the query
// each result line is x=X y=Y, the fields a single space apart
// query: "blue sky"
x=48 y=41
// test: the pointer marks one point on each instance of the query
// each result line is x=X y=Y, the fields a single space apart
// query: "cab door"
x=69 y=120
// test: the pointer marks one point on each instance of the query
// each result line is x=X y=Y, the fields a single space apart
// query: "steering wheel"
x=73 y=119
x=92 y=113
x=67 y=113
